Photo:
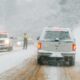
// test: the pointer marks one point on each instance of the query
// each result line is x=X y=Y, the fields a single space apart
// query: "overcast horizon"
x=19 y=16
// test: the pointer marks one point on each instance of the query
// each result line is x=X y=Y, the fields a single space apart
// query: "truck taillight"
x=39 y=46
x=74 y=47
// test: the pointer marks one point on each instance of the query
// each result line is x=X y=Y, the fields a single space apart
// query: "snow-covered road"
x=8 y=60
x=14 y=66
x=15 y=57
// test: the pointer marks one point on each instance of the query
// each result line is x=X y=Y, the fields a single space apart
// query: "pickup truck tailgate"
x=61 y=46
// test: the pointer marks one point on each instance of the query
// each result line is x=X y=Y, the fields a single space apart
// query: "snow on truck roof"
x=56 y=29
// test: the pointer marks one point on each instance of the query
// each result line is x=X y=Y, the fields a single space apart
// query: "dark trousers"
x=25 y=44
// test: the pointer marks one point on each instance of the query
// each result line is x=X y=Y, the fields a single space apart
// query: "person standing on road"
x=25 y=41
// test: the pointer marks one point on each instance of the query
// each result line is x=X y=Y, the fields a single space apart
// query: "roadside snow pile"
x=11 y=59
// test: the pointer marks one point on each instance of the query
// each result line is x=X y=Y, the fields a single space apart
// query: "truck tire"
x=72 y=61
x=40 y=60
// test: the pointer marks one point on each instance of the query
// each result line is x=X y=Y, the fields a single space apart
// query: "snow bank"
x=11 y=59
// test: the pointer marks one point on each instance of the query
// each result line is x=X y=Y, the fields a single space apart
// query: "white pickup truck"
x=55 y=45
x=5 y=42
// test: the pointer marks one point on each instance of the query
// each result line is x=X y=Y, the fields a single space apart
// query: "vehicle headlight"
x=7 y=42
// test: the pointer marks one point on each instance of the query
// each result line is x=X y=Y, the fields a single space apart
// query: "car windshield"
x=3 y=36
x=59 y=35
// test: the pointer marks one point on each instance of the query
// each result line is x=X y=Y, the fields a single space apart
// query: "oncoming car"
x=5 y=42
x=56 y=45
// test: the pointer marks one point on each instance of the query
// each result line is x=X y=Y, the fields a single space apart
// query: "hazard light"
x=74 y=47
x=39 y=46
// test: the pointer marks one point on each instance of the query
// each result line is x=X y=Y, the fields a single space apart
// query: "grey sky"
x=19 y=16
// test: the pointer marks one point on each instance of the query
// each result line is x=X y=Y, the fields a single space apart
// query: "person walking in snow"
x=25 y=41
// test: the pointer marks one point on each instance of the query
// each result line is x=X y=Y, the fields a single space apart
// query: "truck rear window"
x=61 y=35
